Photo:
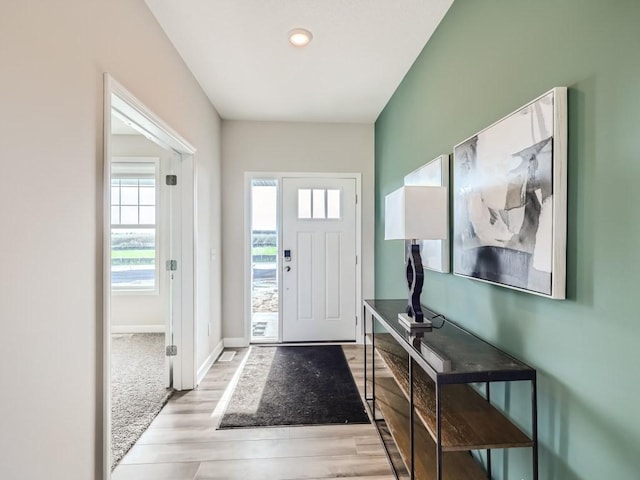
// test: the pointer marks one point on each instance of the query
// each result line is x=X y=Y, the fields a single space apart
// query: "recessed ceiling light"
x=300 y=37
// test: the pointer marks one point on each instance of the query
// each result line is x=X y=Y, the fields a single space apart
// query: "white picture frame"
x=435 y=253
x=510 y=199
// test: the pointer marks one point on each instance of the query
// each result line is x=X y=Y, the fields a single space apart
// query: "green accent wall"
x=486 y=59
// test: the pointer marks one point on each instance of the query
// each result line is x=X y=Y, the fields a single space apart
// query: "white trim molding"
x=137 y=329
x=213 y=356
x=236 y=342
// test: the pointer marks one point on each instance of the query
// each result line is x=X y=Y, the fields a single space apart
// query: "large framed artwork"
x=510 y=198
x=435 y=253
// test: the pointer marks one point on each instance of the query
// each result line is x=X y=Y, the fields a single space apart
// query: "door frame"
x=248 y=177
x=184 y=376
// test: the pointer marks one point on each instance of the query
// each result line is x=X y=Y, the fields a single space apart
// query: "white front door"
x=318 y=259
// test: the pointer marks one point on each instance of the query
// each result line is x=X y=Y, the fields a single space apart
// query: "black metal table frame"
x=461 y=378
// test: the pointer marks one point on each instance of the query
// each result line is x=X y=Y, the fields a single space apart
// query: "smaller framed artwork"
x=435 y=253
x=510 y=199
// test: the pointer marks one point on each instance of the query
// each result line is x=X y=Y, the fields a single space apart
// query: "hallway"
x=182 y=443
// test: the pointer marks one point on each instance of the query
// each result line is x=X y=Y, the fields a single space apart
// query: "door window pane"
x=129 y=195
x=147 y=195
x=115 y=192
x=304 y=203
x=129 y=215
x=333 y=204
x=318 y=203
x=115 y=215
x=147 y=215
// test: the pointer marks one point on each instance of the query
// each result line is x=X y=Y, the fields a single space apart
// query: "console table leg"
x=373 y=367
x=534 y=426
x=364 y=341
x=412 y=451
x=488 y=395
x=439 y=433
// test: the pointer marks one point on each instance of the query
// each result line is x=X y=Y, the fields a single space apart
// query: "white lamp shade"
x=416 y=213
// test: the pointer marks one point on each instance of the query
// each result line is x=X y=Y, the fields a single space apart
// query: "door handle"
x=287 y=268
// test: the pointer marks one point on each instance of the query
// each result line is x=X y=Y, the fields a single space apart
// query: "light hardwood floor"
x=183 y=444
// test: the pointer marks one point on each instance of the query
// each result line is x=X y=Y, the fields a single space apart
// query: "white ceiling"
x=239 y=52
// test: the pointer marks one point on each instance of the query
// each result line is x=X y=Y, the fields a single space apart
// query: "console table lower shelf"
x=395 y=410
x=469 y=422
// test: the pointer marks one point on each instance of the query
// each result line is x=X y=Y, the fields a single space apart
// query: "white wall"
x=286 y=147
x=53 y=55
x=209 y=239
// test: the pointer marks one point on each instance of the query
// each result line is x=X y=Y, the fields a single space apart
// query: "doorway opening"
x=148 y=266
x=139 y=289
x=265 y=318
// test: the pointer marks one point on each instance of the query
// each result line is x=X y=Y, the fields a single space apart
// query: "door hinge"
x=172 y=265
x=172 y=350
x=356 y=198
x=356 y=259
x=356 y=320
x=172 y=180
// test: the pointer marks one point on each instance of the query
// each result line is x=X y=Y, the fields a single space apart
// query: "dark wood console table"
x=419 y=390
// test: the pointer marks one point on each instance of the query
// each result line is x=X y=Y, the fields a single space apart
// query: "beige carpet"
x=137 y=388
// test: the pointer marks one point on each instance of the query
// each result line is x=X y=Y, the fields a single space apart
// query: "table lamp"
x=416 y=213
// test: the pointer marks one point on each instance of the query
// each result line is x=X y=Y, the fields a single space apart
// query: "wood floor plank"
x=182 y=420
x=240 y=449
x=195 y=396
x=341 y=466
x=160 y=471
x=318 y=431
x=207 y=406
x=367 y=477
x=209 y=434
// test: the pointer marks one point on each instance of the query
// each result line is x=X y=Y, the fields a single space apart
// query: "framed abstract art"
x=509 y=199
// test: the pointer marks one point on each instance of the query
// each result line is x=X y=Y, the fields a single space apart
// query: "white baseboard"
x=215 y=353
x=137 y=328
x=236 y=342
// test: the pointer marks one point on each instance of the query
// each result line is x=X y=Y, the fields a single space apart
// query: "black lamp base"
x=413 y=319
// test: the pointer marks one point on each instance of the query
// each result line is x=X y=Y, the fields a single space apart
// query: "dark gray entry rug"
x=295 y=385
